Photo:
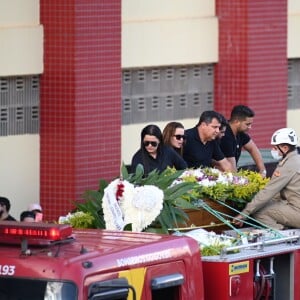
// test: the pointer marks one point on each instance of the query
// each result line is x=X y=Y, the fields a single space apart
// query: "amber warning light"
x=31 y=231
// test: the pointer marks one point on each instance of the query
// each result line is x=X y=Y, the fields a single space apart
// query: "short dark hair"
x=4 y=201
x=224 y=122
x=207 y=117
x=27 y=214
x=241 y=112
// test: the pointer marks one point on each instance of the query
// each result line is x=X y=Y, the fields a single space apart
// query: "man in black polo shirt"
x=236 y=138
x=201 y=147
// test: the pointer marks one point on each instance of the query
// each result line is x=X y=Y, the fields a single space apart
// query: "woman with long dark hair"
x=153 y=154
x=173 y=136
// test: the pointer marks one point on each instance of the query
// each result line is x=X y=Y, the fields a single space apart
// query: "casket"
x=202 y=218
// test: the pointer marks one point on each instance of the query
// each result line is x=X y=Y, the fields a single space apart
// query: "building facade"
x=91 y=74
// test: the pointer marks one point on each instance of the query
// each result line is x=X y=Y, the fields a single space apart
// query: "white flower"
x=197 y=172
x=64 y=219
x=143 y=208
x=210 y=176
x=223 y=178
x=138 y=206
x=207 y=182
x=113 y=216
x=205 y=238
x=70 y=216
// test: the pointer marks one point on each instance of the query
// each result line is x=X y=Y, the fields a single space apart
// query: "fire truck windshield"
x=23 y=288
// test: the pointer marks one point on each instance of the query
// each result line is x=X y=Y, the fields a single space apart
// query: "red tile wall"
x=80 y=130
x=252 y=67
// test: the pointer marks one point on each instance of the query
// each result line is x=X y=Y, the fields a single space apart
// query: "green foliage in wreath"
x=175 y=198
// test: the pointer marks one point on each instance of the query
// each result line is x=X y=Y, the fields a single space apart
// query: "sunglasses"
x=178 y=137
x=153 y=144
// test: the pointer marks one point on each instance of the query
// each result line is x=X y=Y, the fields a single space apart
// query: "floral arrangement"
x=239 y=187
x=211 y=243
x=158 y=201
x=137 y=202
x=125 y=204
x=78 y=219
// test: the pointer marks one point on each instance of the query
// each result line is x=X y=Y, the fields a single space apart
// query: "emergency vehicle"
x=56 y=262
x=264 y=269
x=53 y=262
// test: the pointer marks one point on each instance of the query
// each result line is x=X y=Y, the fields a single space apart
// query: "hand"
x=238 y=220
x=263 y=173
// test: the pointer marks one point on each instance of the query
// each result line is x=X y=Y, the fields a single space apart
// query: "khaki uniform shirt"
x=283 y=185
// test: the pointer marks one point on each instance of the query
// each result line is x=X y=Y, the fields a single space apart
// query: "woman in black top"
x=173 y=136
x=153 y=154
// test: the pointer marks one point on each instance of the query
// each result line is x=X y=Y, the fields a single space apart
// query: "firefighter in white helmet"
x=278 y=204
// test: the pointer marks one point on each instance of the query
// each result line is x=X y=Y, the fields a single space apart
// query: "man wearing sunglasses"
x=201 y=147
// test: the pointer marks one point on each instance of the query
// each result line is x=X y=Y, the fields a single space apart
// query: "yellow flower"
x=78 y=219
x=239 y=187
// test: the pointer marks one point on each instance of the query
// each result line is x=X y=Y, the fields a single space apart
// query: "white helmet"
x=284 y=136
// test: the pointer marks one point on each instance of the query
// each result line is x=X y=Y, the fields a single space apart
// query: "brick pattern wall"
x=80 y=130
x=252 y=68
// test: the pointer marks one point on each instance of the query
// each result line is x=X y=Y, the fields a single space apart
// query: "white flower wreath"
x=143 y=208
x=138 y=206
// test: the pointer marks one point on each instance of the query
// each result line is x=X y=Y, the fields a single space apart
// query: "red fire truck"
x=50 y=261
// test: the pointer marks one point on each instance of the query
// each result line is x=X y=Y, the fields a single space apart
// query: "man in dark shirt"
x=236 y=138
x=4 y=210
x=222 y=129
x=201 y=147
